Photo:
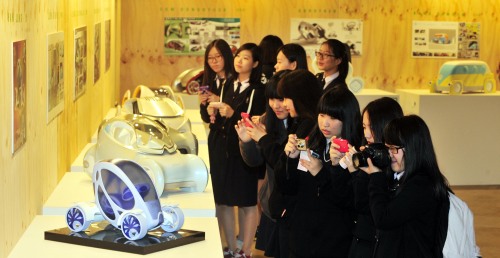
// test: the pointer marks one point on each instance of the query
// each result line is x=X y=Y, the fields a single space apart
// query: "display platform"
x=365 y=96
x=77 y=165
x=465 y=132
x=103 y=235
x=77 y=187
x=33 y=244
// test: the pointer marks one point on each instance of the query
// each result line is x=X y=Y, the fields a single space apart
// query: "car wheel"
x=456 y=87
x=76 y=220
x=489 y=86
x=173 y=218
x=193 y=87
x=133 y=226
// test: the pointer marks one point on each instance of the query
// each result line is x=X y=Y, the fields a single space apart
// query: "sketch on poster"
x=191 y=36
x=18 y=94
x=80 y=79
x=97 y=52
x=431 y=39
x=55 y=75
x=310 y=33
x=107 y=43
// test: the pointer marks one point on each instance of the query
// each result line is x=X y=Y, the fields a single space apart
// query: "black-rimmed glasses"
x=214 y=58
x=323 y=55
x=394 y=149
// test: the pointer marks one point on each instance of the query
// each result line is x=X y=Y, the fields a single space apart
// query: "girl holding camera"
x=321 y=220
x=376 y=115
x=409 y=217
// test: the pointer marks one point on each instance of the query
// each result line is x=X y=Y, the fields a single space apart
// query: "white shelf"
x=33 y=244
x=465 y=130
x=365 y=96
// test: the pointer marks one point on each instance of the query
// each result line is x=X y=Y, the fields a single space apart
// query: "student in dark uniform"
x=333 y=59
x=236 y=185
x=376 y=115
x=217 y=74
x=321 y=221
x=407 y=217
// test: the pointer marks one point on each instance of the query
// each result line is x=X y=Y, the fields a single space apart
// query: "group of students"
x=315 y=202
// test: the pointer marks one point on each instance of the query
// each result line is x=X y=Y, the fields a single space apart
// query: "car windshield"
x=151 y=128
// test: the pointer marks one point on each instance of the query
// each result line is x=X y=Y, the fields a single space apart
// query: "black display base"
x=104 y=235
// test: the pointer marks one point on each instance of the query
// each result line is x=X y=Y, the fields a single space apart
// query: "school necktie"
x=323 y=82
x=237 y=91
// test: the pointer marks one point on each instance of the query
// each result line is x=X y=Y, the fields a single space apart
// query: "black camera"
x=377 y=152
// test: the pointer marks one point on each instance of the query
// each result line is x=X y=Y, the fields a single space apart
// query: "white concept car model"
x=147 y=142
x=163 y=105
x=126 y=198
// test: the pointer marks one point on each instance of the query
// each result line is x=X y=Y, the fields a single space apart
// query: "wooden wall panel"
x=28 y=177
x=386 y=62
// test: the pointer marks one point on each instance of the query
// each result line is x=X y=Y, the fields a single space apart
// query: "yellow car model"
x=460 y=76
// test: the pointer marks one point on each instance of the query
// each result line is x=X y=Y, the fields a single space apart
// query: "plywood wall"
x=28 y=176
x=386 y=62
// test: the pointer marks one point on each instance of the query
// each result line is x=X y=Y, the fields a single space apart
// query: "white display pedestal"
x=77 y=187
x=465 y=130
x=365 y=96
x=33 y=244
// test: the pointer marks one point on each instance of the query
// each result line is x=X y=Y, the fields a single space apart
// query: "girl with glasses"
x=333 y=59
x=408 y=220
x=376 y=115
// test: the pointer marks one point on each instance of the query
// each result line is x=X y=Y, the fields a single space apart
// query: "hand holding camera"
x=376 y=152
x=291 y=149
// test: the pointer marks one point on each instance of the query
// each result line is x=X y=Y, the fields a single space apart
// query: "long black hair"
x=380 y=112
x=339 y=103
x=412 y=133
x=272 y=122
x=302 y=87
x=294 y=53
x=227 y=55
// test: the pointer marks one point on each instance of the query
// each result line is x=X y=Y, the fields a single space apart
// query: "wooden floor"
x=484 y=201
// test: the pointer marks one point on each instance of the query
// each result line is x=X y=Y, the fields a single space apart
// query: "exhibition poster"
x=191 y=36
x=55 y=75
x=107 y=43
x=97 y=52
x=80 y=61
x=310 y=33
x=18 y=94
x=431 y=39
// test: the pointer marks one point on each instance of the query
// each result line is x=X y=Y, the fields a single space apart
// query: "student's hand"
x=291 y=146
x=313 y=165
x=335 y=154
x=212 y=97
x=241 y=129
x=371 y=168
x=256 y=131
x=203 y=98
x=256 y=119
x=347 y=159
x=226 y=110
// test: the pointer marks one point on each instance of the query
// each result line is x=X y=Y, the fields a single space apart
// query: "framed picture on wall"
x=18 y=95
x=80 y=73
x=107 y=40
x=97 y=52
x=55 y=75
